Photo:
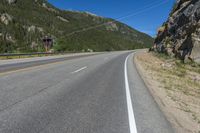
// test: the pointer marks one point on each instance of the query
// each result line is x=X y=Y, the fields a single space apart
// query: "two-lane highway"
x=95 y=94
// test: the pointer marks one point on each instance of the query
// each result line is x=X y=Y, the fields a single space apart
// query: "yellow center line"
x=35 y=67
x=30 y=68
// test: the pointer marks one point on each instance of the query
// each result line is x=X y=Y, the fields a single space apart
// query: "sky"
x=143 y=15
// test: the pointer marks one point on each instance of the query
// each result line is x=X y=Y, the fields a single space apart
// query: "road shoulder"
x=174 y=89
x=148 y=116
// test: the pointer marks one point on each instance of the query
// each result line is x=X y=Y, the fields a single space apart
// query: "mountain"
x=180 y=35
x=24 y=24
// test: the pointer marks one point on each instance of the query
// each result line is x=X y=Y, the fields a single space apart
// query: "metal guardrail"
x=7 y=55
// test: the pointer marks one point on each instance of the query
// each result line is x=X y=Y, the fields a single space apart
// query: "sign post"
x=48 y=42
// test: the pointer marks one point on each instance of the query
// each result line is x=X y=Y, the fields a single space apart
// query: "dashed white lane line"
x=132 y=124
x=79 y=70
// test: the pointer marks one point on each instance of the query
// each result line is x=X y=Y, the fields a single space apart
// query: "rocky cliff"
x=180 y=35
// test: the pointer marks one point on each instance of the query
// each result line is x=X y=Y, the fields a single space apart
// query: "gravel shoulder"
x=175 y=87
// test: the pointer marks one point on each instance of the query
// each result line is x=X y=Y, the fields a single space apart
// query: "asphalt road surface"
x=95 y=94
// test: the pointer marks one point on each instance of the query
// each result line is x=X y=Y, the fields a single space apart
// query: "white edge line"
x=132 y=123
x=79 y=70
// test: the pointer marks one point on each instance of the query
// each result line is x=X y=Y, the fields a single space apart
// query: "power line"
x=151 y=5
x=131 y=12
x=144 y=9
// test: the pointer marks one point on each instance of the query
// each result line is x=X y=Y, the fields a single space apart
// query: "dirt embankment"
x=175 y=87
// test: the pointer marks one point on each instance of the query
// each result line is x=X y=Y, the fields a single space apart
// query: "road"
x=7 y=65
x=101 y=93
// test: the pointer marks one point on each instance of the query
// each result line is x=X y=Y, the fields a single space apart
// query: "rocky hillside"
x=180 y=35
x=24 y=23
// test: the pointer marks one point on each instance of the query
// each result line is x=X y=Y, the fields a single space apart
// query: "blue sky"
x=143 y=15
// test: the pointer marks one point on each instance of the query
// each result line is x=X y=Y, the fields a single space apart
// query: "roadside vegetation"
x=176 y=88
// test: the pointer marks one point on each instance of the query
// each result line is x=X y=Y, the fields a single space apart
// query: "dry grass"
x=176 y=86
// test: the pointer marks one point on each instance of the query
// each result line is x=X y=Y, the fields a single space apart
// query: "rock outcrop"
x=5 y=18
x=180 y=35
x=111 y=26
x=11 y=1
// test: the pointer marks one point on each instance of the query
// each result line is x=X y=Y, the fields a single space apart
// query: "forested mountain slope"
x=24 y=23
